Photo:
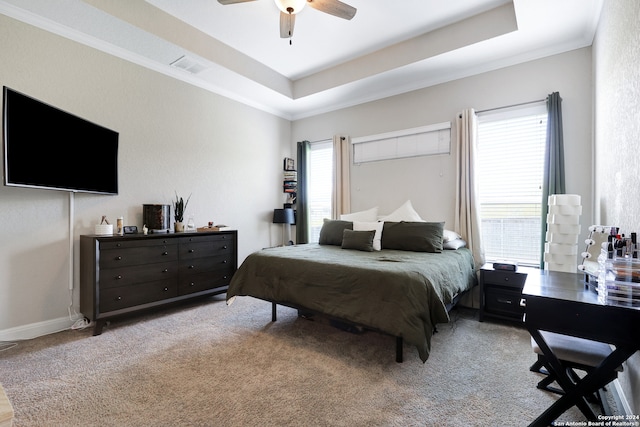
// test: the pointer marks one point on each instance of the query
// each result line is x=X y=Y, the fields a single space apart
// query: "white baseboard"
x=34 y=330
x=620 y=397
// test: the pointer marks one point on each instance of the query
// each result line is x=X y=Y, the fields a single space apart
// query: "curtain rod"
x=510 y=106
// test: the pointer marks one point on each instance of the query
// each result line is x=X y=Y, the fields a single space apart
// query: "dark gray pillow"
x=413 y=236
x=360 y=240
x=331 y=231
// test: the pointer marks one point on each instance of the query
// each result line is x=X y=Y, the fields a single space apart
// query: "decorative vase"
x=178 y=227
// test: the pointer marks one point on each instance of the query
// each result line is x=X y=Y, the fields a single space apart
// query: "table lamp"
x=286 y=218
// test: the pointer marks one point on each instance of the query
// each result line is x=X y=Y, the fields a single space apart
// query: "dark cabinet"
x=124 y=274
x=501 y=293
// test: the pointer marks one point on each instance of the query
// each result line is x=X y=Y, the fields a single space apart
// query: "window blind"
x=320 y=183
x=510 y=168
x=420 y=141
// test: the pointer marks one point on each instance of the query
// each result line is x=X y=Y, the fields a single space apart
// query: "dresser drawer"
x=114 y=258
x=204 y=281
x=112 y=299
x=205 y=247
x=124 y=276
x=504 y=278
x=121 y=244
x=503 y=301
x=200 y=265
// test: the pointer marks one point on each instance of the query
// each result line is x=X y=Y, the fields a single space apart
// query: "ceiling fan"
x=289 y=9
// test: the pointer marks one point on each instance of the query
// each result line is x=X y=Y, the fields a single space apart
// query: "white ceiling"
x=389 y=47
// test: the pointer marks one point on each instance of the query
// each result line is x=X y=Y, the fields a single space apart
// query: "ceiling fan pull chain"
x=290 y=10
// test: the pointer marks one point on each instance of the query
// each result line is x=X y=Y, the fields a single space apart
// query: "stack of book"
x=290 y=182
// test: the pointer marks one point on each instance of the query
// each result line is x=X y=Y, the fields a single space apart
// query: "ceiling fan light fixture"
x=290 y=6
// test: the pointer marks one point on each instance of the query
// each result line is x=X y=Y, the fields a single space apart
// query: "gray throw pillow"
x=360 y=240
x=331 y=231
x=413 y=236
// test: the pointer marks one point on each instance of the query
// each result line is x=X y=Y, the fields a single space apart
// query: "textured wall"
x=616 y=55
x=617 y=113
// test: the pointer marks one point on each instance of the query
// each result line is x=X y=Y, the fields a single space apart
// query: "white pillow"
x=454 y=244
x=404 y=213
x=369 y=226
x=448 y=235
x=368 y=215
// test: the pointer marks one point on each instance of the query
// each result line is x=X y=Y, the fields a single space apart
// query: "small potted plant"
x=179 y=207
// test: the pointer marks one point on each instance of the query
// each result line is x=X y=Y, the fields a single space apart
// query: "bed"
x=404 y=289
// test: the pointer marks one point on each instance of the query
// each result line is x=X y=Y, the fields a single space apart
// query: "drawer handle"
x=118 y=277
x=118 y=258
x=192 y=267
x=192 y=284
x=166 y=270
x=118 y=298
x=118 y=245
x=166 y=289
x=224 y=262
x=191 y=251
x=225 y=277
x=506 y=279
x=224 y=247
x=523 y=302
x=165 y=253
x=504 y=301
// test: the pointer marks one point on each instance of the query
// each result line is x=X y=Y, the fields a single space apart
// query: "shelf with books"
x=290 y=180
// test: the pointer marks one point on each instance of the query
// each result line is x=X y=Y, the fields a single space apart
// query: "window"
x=420 y=141
x=320 y=185
x=510 y=167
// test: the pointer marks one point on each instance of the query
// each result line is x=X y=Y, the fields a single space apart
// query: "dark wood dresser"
x=125 y=274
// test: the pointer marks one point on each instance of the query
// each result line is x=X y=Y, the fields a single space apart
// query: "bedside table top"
x=520 y=269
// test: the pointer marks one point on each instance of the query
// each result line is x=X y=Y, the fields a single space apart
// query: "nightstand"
x=501 y=292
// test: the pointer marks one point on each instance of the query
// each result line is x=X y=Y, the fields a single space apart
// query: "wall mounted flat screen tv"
x=45 y=147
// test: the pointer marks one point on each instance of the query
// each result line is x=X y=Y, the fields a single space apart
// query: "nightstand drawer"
x=504 y=302
x=504 y=278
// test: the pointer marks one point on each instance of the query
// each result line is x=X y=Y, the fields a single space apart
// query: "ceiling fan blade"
x=225 y=2
x=333 y=7
x=287 y=21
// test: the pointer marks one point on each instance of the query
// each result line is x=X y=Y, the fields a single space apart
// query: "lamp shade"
x=283 y=216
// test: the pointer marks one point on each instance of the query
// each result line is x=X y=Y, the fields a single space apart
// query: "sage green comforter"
x=401 y=293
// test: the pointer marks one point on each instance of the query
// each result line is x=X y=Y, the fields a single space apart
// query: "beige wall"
x=429 y=182
x=616 y=55
x=173 y=137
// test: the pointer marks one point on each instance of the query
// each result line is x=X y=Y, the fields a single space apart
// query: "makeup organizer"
x=619 y=270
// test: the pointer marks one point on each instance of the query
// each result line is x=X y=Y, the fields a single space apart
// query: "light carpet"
x=208 y=364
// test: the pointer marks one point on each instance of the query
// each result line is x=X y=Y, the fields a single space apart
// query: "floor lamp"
x=286 y=218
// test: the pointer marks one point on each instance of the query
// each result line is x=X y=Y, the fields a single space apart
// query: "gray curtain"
x=553 y=178
x=302 y=214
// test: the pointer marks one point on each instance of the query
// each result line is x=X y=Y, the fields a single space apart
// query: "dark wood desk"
x=558 y=302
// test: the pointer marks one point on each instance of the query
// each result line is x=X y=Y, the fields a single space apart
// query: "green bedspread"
x=401 y=293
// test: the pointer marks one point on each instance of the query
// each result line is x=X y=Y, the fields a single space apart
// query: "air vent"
x=189 y=64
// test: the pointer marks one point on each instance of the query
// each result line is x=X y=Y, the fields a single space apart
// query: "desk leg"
x=598 y=378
